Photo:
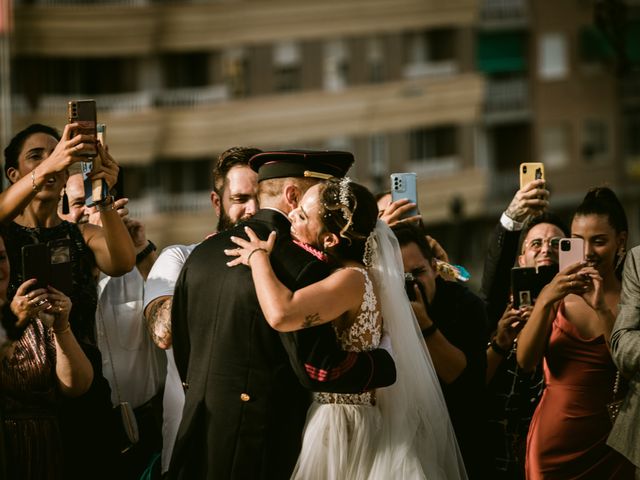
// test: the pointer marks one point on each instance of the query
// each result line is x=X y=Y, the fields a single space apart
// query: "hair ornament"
x=344 y=197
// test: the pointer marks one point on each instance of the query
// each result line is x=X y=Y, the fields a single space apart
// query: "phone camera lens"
x=524 y=169
x=565 y=245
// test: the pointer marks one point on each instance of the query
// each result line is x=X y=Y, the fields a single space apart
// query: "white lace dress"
x=341 y=435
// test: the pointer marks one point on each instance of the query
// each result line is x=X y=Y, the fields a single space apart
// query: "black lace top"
x=84 y=293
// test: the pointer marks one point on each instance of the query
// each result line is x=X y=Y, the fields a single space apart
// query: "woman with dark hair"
x=402 y=431
x=36 y=163
x=43 y=364
x=569 y=328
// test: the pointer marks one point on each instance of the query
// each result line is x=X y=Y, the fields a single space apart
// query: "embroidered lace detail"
x=365 y=331
x=362 y=335
x=366 y=398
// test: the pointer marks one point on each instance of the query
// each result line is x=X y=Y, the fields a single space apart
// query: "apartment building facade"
x=459 y=91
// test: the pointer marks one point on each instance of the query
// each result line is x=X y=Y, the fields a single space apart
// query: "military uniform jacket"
x=248 y=385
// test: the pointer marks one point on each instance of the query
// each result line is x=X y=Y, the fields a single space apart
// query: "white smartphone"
x=403 y=185
x=571 y=251
x=531 y=171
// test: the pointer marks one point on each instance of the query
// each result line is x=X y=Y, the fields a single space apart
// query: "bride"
x=402 y=431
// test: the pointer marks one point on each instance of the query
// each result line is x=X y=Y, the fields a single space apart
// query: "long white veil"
x=417 y=438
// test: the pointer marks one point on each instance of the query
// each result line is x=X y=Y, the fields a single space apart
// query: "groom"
x=247 y=386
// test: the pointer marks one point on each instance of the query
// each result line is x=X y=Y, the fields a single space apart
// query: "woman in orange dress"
x=570 y=328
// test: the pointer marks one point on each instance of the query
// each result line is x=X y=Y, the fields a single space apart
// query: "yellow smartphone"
x=530 y=171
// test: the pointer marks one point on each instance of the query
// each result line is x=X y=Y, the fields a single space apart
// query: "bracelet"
x=146 y=251
x=497 y=348
x=259 y=249
x=34 y=185
x=106 y=204
x=427 y=332
x=64 y=330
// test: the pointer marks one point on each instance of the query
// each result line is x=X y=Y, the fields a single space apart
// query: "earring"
x=621 y=255
x=65 y=202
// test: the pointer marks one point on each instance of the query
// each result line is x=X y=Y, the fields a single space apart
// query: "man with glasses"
x=526 y=236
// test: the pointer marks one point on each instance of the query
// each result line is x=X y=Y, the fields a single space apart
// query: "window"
x=429 y=144
x=595 y=144
x=184 y=70
x=375 y=60
x=235 y=72
x=73 y=76
x=631 y=121
x=287 y=67
x=554 y=146
x=553 y=62
x=336 y=65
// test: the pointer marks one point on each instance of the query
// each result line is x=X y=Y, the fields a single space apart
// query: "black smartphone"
x=83 y=112
x=49 y=263
x=527 y=283
x=35 y=264
x=60 y=265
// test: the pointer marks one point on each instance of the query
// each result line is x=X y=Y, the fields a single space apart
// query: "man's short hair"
x=546 y=217
x=232 y=157
x=273 y=187
x=407 y=233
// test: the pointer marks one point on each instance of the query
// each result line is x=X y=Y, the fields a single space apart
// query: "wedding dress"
x=399 y=432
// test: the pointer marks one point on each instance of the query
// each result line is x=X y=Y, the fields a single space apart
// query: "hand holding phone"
x=404 y=186
x=83 y=113
x=530 y=171
x=571 y=252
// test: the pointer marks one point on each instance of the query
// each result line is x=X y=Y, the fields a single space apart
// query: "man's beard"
x=225 y=222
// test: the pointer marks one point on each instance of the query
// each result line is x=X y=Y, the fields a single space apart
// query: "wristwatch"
x=146 y=251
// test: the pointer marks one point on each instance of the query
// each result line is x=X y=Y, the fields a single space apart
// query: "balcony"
x=506 y=100
x=111 y=28
x=503 y=13
x=190 y=129
x=431 y=69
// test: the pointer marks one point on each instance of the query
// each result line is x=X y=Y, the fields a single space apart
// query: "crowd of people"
x=316 y=333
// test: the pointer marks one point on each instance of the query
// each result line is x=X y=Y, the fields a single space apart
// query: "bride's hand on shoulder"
x=248 y=248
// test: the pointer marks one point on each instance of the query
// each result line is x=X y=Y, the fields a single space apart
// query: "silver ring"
x=41 y=302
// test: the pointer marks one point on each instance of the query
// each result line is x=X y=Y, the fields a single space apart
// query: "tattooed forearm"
x=159 y=322
x=311 y=320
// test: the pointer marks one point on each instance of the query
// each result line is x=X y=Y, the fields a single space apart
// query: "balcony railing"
x=191 y=97
x=507 y=96
x=128 y=102
x=509 y=12
x=431 y=69
x=82 y=2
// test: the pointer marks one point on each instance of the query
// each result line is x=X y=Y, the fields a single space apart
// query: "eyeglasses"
x=536 y=244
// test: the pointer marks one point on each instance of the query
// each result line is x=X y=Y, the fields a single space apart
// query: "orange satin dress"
x=569 y=429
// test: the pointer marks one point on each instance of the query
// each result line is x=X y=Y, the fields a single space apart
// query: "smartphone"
x=49 y=263
x=83 y=112
x=35 y=264
x=95 y=190
x=403 y=185
x=60 y=266
x=528 y=282
x=571 y=251
x=531 y=171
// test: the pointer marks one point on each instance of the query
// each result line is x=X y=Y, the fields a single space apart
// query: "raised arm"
x=288 y=311
x=14 y=199
x=534 y=336
x=111 y=244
